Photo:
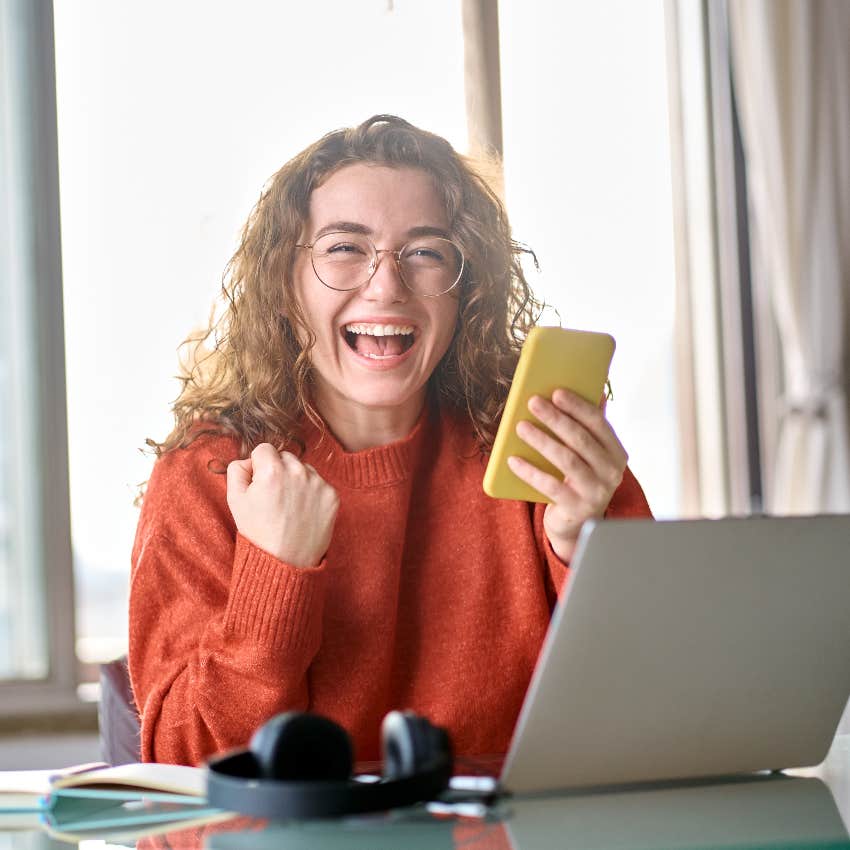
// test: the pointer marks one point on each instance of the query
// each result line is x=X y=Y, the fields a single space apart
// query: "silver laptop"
x=686 y=649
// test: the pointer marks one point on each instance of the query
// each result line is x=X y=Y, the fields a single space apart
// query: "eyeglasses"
x=427 y=265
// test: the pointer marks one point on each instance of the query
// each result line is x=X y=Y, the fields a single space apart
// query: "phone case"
x=550 y=358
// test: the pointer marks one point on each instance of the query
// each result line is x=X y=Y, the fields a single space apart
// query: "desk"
x=801 y=809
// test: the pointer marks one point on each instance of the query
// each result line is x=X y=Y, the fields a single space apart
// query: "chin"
x=383 y=399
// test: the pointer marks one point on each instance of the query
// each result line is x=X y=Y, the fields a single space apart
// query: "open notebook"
x=35 y=790
x=95 y=800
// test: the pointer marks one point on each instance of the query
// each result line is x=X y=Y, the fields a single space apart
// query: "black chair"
x=118 y=717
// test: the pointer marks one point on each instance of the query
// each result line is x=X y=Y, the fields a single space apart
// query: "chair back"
x=118 y=717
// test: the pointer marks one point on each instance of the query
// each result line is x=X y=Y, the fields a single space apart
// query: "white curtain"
x=791 y=72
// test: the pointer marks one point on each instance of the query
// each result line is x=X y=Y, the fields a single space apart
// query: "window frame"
x=30 y=259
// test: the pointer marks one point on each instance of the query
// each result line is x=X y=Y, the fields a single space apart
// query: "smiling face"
x=376 y=346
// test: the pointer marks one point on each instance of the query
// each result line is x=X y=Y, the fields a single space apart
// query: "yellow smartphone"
x=550 y=358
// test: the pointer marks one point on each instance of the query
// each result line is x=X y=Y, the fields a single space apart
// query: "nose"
x=385 y=285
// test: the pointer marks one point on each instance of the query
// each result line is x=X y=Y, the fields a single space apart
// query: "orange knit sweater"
x=432 y=597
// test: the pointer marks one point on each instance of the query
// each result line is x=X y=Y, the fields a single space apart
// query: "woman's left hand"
x=588 y=454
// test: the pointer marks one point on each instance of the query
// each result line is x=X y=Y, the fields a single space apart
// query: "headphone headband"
x=234 y=783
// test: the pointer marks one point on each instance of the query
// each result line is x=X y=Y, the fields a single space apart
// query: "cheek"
x=298 y=302
x=447 y=322
x=308 y=301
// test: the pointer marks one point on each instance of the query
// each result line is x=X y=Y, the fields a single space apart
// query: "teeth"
x=379 y=330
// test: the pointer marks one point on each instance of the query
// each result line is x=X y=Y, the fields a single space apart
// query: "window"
x=36 y=621
x=23 y=648
x=587 y=180
x=166 y=135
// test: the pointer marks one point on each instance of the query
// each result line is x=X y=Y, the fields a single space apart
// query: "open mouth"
x=379 y=341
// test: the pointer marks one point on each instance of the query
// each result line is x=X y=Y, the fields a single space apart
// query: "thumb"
x=239 y=475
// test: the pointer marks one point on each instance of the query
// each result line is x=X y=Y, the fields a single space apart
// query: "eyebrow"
x=357 y=227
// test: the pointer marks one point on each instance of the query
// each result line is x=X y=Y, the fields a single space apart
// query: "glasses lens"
x=431 y=265
x=343 y=260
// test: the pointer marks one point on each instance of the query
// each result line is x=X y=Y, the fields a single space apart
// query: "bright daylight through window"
x=166 y=135
x=160 y=163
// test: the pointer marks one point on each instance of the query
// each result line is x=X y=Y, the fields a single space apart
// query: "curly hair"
x=248 y=373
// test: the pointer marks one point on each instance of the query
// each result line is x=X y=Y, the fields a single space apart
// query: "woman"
x=348 y=563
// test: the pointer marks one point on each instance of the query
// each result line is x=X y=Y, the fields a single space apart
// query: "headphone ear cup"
x=411 y=744
x=297 y=746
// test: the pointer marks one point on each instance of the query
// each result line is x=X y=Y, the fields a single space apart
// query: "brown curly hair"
x=248 y=374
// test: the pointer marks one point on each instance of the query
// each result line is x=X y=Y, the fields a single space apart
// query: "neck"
x=359 y=428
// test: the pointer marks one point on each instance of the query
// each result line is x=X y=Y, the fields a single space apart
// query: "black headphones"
x=300 y=765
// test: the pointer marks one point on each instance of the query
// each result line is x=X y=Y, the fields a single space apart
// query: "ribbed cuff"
x=274 y=603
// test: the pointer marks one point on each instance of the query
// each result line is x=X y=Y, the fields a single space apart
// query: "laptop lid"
x=690 y=648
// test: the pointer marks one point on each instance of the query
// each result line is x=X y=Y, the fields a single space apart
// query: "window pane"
x=588 y=185
x=166 y=135
x=23 y=644
x=25 y=115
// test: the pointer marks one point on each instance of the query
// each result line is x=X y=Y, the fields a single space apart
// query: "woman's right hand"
x=282 y=505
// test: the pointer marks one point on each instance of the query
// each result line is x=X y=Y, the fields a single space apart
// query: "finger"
x=583 y=478
x=293 y=465
x=268 y=468
x=552 y=488
x=593 y=418
x=239 y=475
x=573 y=434
x=265 y=455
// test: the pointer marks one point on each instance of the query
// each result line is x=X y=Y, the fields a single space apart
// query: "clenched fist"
x=282 y=505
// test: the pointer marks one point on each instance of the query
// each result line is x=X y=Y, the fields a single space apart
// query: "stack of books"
x=95 y=800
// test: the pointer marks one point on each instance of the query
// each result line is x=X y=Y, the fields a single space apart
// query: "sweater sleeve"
x=628 y=502
x=221 y=633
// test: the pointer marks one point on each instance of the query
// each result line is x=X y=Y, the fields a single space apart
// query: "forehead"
x=378 y=196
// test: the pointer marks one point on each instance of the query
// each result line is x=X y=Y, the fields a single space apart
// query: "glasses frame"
x=375 y=261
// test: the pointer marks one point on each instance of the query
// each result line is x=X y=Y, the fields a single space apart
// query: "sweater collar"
x=380 y=466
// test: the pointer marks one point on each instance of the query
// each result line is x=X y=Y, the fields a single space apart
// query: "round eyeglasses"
x=427 y=265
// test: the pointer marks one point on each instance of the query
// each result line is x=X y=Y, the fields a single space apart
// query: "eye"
x=429 y=252
x=425 y=254
x=343 y=248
